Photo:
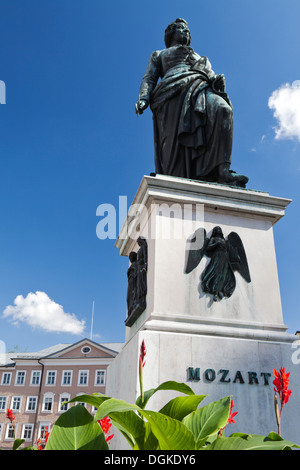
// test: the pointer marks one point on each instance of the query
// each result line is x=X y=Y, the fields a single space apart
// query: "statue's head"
x=217 y=232
x=179 y=28
x=132 y=256
x=141 y=240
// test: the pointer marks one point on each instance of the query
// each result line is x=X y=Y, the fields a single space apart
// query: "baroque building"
x=36 y=386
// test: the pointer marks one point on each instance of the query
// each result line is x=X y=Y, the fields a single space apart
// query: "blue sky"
x=70 y=141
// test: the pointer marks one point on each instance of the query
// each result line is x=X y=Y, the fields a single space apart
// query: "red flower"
x=281 y=382
x=143 y=352
x=47 y=434
x=230 y=418
x=142 y=363
x=42 y=441
x=10 y=416
x=106 y=424
x=231 y=415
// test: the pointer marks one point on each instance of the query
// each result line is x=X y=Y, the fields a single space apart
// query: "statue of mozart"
x=192 y=114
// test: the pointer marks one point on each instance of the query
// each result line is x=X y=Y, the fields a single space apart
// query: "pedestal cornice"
x=166 y=189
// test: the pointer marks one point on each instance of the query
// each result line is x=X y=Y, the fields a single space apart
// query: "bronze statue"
x=142 y=267
x=137 y=282
x=192 y=114
x=132 y=283
x=226 y=256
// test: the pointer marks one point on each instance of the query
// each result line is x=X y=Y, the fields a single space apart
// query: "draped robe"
x=192 y=123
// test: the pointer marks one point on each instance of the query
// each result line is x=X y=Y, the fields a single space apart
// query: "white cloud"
x=285 y=102
x=39 y=311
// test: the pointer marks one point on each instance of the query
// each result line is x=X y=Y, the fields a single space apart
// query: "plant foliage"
x=179 y=425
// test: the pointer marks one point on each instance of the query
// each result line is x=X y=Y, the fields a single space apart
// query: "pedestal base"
x=228 y=347
x=216 y=367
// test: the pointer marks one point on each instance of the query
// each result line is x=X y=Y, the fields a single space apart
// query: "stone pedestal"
x=220 y=348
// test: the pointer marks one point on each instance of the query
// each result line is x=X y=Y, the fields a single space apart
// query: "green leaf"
x=170 y=433
x=128 y=436
x=76 y=430
x=113 y=405
x=150 y=441
x=132 y=427
x=239 y=434
x=208 y=420
x=251 y=442
x=180 y=407
x=169 y=385
x=125 y=419
x=94 y=400
x=18 y=443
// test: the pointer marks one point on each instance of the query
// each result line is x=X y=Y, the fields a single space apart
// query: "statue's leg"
x=225 y=175
x=220 y=134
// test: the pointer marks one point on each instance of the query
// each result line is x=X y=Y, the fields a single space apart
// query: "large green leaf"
x=150 y=441
x=170 y=433
x=251 y=442
x=180 y=407
x=124 y=418
x=94 y=400
x=76 y=430
x=113 y=405
x=133 y=428
x=208 y=420
x=18 y=443
x=169 y=385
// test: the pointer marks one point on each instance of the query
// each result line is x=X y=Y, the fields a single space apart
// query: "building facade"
x=35 y=386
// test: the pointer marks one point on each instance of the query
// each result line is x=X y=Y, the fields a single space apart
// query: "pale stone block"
x=228 y=347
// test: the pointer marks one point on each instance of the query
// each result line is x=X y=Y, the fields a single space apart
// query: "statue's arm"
x=217 y=80
x=149 y=82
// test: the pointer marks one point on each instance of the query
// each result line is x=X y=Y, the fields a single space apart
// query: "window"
x=10 y=431
x=86 y=349
x=44 y=427
x=48 y=402
x=51 y=377
x=62 y=399
x=67 y=377
x=0 y=430
x=6 y=378
x=100 y=377
x=31 y=403
x=16 y=403
x=35 y=377
x=3 y=400
x=83 y=377
x=27 y=432
x=20 y=377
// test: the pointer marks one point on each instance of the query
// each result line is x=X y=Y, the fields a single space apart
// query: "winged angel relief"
x=226 y=256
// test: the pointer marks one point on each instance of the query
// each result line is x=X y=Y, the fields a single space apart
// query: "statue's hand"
x=219 y=83
x=140 y=106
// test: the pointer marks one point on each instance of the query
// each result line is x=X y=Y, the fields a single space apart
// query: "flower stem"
x=141 y=382
x=277 y=414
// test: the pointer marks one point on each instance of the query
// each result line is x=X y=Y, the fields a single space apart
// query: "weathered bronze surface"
x=226 y=256
x=137 y=282
x=192 y=114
